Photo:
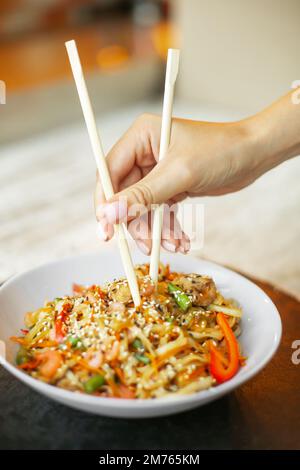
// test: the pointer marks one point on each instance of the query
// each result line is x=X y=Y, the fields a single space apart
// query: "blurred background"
x=236 y=57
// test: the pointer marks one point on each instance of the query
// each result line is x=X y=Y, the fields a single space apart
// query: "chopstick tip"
x=70 y=43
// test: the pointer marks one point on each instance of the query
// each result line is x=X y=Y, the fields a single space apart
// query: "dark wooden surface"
x=262 y=414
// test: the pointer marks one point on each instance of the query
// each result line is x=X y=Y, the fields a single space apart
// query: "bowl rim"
x=143 y=403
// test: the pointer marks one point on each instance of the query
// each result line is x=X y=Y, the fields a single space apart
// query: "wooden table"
x=262 y=414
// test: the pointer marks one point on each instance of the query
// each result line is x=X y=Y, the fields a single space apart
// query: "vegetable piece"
x=32 y=364
x=217 y=361
x=138 y=345
x=78 y=289
x=17 y=339
x=59 y=324
x=95 y=382
x=142 y=358
x=97 y=291
x=183 y=301
x=22 y=357
x=125 y=392
x=184 y=378
x=59 y=330
x=73 y=340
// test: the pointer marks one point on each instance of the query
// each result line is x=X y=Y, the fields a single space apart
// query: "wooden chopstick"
x=171 y=75
x=101 y=164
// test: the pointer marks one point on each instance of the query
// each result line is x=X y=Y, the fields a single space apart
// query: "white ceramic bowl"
x=261 y=325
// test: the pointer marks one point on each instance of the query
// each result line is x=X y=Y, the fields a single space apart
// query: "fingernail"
x=115 y=211
x=184 y=246
x=169 y=246
x=143 y=247
x=186 y=243
x=182 y=249
x=102 y=234
x=187 y=246
x=99 y=212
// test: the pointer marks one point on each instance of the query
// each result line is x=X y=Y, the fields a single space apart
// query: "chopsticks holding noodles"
x=171 y=75
x=101 y=164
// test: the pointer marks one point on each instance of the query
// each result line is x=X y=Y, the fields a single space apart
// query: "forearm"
x=203 y=159
x=275 y=133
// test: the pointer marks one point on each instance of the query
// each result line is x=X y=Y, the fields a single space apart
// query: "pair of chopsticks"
x=171 y=74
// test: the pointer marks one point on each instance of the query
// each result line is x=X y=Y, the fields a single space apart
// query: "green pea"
x=142 y=358
x=95 y=382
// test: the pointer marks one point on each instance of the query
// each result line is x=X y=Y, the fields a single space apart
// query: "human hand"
x=203 y=159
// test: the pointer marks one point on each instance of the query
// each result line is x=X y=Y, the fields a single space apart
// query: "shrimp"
x=94 y=358
x=50 y=362
x=113 y=353
x=147 y=287
x=117 y=308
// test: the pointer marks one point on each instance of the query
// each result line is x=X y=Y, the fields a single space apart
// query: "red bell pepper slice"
x=221 y=368
x=30 y=364
x=59 y=330
x=59 y=324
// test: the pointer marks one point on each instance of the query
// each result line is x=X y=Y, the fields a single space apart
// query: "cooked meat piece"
x=201 y=288
x=119 y=291
x=146 y=286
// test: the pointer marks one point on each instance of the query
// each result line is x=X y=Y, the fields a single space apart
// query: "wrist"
x=262 y=149
x=275 y=133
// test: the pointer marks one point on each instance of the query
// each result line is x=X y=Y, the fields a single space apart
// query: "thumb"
x=161 y=184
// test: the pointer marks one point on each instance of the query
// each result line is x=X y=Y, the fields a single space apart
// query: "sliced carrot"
x=197 y=373
x=120 y=374
x=46 y=344
x=125 y=392
x=17 y=339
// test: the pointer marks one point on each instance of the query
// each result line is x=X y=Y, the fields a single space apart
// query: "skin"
x=203 y=159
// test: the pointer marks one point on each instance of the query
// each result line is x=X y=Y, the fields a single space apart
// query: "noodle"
x=95 y=341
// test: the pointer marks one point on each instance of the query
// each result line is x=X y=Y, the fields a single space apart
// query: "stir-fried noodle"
x=182 y=339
